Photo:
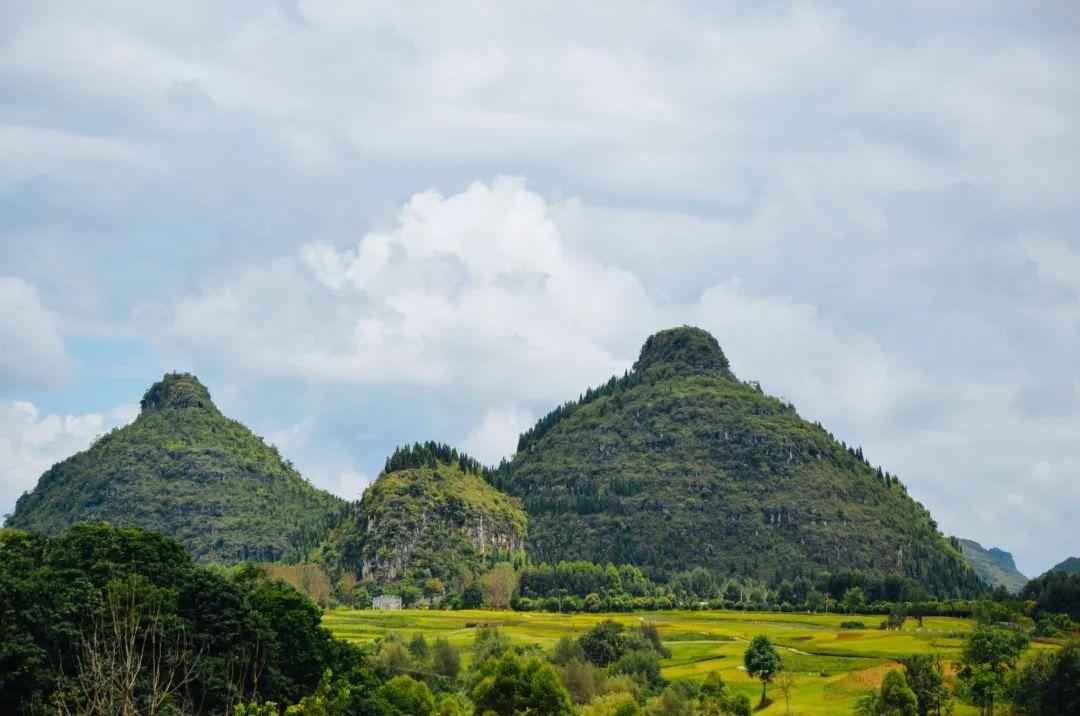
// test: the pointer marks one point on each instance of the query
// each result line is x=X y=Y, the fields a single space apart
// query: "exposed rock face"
x=419 y=523
x=994 y=566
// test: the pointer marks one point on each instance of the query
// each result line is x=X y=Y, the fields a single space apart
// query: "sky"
x=365 y=224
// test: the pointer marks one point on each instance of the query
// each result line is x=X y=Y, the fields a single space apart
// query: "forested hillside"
x=678 y=463
x=429 y=516
x=1069 y=566
x=185 y=470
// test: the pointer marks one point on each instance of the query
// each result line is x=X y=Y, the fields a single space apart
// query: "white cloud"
x=293 y=437
x=1058 y=264
x=477 y=289
x=31 y=443
x=490 y=298
x=32 y=354
x=872 y=210
x=327 y=466
x=481 y=291
x=496 y=437
x=790 y=347
x=350 y=484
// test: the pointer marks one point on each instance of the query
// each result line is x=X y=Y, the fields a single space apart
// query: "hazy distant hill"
x=678 y=464
x=1069 y=566
x=995 y=566
x=184 y=469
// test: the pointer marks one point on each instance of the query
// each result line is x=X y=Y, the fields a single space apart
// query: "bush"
x=642 y=666
x=490 y=643
x=619 y=703
x=508 y=686
x=581 y=679
x=604 y=643
x=445 y=660
x=671 y=702
x=404 y=696
x=566 y=650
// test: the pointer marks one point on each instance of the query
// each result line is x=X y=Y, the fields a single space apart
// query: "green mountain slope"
x=429 y=515
x=679 y=464
x=1069 y=566
x=184 y=469
x=994 y=566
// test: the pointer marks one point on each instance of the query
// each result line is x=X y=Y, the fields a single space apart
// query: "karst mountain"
x=678 y=463
x=429 y=515
x=184 y=469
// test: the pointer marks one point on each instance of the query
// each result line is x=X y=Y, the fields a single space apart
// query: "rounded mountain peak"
x=684 y=350
x=177 y=390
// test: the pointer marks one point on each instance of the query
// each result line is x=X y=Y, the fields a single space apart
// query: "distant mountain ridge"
x=185 y=470
x=1070 y=565
x=995 y=566
x=679 y=464
x=674 y=465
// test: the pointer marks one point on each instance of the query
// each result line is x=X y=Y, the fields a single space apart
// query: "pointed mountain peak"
x=177 y=390
x=187 y=471
x=685 y=350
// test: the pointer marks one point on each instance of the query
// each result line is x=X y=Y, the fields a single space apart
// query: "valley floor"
x=834 y=666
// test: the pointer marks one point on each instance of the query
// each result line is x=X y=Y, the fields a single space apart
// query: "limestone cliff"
x=431 y=521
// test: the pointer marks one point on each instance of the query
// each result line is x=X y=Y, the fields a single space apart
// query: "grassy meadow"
x=834 y=666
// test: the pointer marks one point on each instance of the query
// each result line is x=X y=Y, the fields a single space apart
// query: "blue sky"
x=365 y=225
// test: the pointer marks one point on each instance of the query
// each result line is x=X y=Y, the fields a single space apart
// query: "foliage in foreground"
x=102 y=615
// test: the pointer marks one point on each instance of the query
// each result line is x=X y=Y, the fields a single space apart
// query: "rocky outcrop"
x=425 y=523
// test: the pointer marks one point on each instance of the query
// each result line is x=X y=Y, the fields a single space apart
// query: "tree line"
x=431 y=454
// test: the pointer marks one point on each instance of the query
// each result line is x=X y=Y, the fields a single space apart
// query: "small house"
x=386 y=601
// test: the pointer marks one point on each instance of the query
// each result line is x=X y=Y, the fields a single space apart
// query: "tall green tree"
x=1048 y=683
x=418 y=648
x=604 y=643
x=404 y=696
x=989 y=655
x=983 y=686
x=472 y=597
x=762 y=661
x=445 y=659
x=897 y=698
x=926 y=678
x=854 y=599
x=490 y=643
x=994 y=646
x=713 y=695
x=508 y=686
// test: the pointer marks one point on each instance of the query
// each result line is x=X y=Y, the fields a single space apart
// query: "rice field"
x=834 y=666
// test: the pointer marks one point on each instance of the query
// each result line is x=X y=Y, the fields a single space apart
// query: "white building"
x=386 y=601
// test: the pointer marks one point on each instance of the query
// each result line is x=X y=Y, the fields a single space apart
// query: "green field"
x=834 y=666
